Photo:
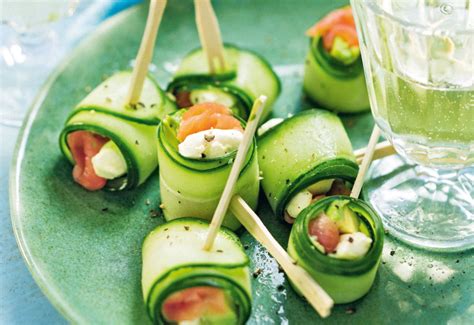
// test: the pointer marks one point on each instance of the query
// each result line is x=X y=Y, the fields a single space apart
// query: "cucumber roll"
x=182 y=283
x=248 y=76
x=305 y=158
x=110 y=142
x=334 y=75
x=196 y=148
x=339 y=241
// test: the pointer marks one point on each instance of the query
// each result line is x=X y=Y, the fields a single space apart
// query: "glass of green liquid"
x=418 y=60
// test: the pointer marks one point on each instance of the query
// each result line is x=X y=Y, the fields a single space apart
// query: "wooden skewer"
x=210 y=35
x=311 y=290
x=145 y=53
x=369 y=152
x=382 y=149
x=227 y=194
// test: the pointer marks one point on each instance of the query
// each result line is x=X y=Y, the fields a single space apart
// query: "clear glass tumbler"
x=29 y=47
x=418 y=60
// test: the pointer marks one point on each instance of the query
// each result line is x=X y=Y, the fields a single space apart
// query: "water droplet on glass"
x=446 y=9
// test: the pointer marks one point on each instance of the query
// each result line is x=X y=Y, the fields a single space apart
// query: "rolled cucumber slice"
x=174 y=260
x=306 y=148
x=344 y=280
x=248 y=76
x=331 y=83
x=192 y=187
x=132 y=129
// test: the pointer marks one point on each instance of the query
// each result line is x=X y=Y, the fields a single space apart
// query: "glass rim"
x=415 y=27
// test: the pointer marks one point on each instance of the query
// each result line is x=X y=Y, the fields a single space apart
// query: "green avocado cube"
x=350 y=223
x=335 y=210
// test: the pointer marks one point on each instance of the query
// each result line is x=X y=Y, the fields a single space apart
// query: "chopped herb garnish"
x=350 y=310
x=257 y=272
x=392 y=253
x=186 y=228
x=136 y=142
x=220 y=251
x=209 y=137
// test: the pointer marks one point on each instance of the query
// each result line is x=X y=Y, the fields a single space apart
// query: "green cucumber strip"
x=110 y=96
x=248 y=76
x=333 y=85
x=332 y=65
x=173 y=253
x=225 y=96
x=192 y=187
x=306 y=148
x=344 y=280
x=198 y=195
x=235 y=281
x=135 y=141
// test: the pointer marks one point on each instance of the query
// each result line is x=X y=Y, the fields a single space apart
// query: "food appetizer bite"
x=196 y=148
x=247 y=75
x=198 y=286
x=303 y=159
x=334 y=76
x=112 y=143
x=339 y=241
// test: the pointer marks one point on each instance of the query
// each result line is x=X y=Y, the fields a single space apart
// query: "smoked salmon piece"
x=84 y=145
x=339 y=188
x=326 y=232
x=337 y=23
x=206 y=116
x=183 y=99
x=193 y=303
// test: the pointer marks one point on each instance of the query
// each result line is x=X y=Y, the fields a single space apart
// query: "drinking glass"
x=418 y=58
x=28 y=48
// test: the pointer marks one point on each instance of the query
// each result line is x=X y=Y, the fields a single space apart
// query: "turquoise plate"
x=83 y=248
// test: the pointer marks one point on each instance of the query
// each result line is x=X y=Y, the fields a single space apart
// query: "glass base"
x=424 y=207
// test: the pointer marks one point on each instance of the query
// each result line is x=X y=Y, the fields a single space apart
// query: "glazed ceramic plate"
x=83 y=248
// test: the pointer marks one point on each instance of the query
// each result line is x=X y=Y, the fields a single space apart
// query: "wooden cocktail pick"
x=364 y=166
x=382 y=149
x=145 y=53
x=311 y=290
x=210 y=35
x=228 y=192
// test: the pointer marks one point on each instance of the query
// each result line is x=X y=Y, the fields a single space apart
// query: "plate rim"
x=52 y=293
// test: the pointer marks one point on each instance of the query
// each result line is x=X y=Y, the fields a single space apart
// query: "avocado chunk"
x=350 y=223
x=344 y=53
x=335 y=210
x=346 y=219
x=321 y=187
